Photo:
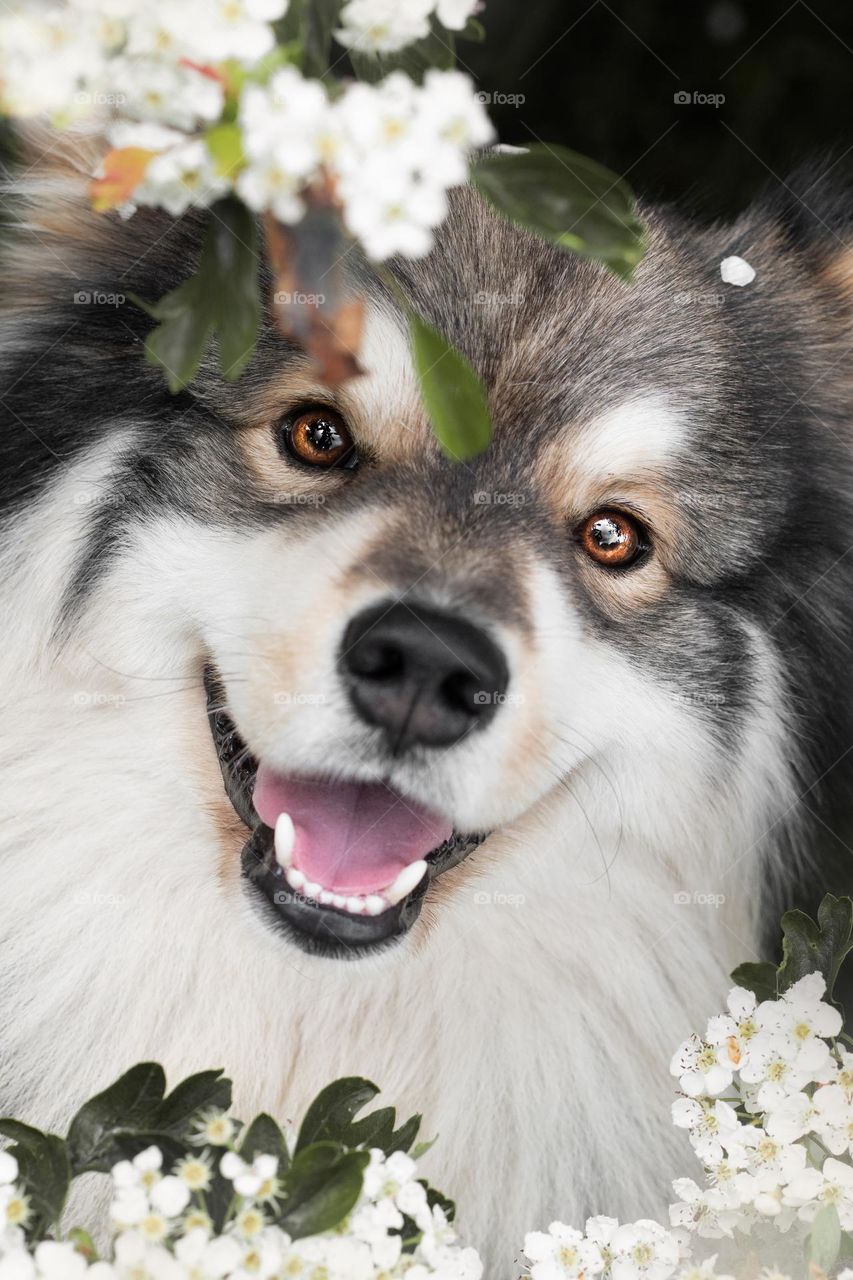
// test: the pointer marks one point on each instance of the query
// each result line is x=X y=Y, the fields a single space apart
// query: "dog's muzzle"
x=345 y=865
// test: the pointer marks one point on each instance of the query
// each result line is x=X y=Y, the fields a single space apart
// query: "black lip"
x=315 y=928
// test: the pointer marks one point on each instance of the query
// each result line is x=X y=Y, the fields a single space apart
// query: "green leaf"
x=225 y=144
x=435 y=1197
x=473 y=30
x=129 y=1105
x=264 y=1137
x=330 y=1115
x=310 y=23
x=566 y=198
x=221 y=298
x=206 y=1091
x=322 y=1186
x=44 y=1171
x=808 y=946
x=825 y=1238
x=402 y=1138
x=759 y=978
x=375 y=1130
x=83 y=1243
x=452 y=393
x=438 y=50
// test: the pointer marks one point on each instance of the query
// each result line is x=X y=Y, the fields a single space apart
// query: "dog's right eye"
x=318 y=437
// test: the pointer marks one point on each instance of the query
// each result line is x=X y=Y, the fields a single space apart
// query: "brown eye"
x=319 y=437
x=612 y=539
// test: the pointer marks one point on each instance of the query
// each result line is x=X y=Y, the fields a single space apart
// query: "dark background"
x=600 y=76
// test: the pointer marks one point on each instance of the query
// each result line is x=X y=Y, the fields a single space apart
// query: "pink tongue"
x=351 y=837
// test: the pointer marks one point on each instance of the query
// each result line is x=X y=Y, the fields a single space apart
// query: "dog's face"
x=404 y=654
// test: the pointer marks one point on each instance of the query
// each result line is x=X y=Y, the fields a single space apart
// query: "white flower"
x=256 y=1180
x=166 y=93
x=643 y=1250
x=561 y=1253
x=832 y=1118
x=703 y=1210
x=704 y=1270
x=142 y=1171
x=393 y=212
x=208 y=1259
x=780 y=1064
x=17 y=1264
x=236 y=29
x=383 y=26
x=216 y=1128
x=264 y=185
x=713 y=1126
x=57 y=1260
x=454 y=14
x=285 y=122
x=832 y=1185
x=8 y=1168
x=699 y=1070
x=732 y=1032
x=801 y=1012
x=735 y=270
x=451 y=121
x=170 y=1196
x=182 y=176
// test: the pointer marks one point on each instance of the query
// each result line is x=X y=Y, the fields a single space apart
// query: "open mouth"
x=338 y=866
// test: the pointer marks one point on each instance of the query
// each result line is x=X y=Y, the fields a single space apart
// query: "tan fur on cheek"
x=201 y=771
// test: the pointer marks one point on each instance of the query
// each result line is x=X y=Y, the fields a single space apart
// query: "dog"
x=325 y=754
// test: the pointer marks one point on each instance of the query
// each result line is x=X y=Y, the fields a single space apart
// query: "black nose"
x=421 y=675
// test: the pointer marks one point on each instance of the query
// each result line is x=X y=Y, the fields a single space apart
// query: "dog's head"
x=402 y=654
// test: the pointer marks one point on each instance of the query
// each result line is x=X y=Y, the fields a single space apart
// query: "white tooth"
x=355 y=906
x=374 y=905
x=285 y=836
x=327 y=898
x=295 y=877
x=312 y=890
x=408 y=879
x=339 y=901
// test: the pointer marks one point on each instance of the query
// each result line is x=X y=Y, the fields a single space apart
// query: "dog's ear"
x=58 y=244
x=812 y=213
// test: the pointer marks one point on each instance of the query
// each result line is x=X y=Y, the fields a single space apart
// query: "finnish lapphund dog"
x=325 y=754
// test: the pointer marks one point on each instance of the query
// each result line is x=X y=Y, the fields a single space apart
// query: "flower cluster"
x=384 y=26
x=767 y=1103
x=164 y=1231
x=198 y=100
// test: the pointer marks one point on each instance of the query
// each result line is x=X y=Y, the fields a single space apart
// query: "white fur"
x=532 y=1014
x=637 y=435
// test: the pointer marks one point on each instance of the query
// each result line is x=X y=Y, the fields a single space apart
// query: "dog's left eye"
x=612 y=538
x=319 y=437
